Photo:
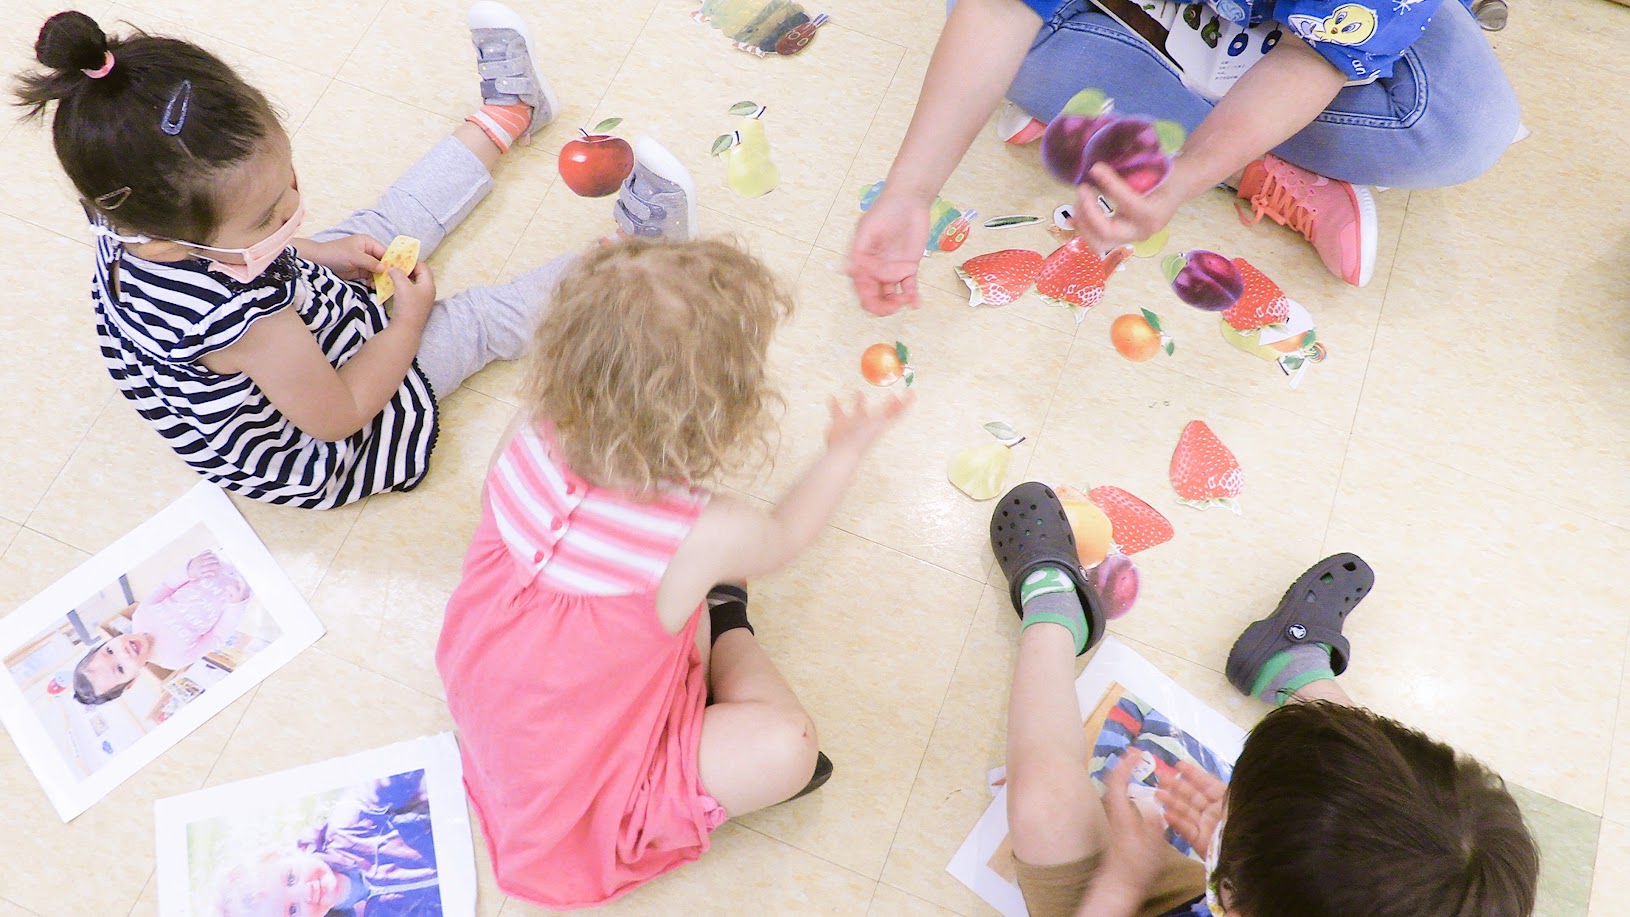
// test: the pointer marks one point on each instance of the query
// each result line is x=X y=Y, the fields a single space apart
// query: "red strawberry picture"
x=1074 y=275
x=1137 y=526
x=1204 y=473
x=999 y=278
x=1262 y=303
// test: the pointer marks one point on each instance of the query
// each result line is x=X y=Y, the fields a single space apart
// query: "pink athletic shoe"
x=1337 y=217
x=1014 y=125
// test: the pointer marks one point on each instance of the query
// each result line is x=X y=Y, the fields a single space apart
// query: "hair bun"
x=71 y=41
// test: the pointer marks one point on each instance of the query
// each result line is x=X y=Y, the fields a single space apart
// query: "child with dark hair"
x=1332 y=811
x=264 y=359
x=192 y=613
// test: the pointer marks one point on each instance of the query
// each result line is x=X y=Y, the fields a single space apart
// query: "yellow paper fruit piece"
x=1092 y=529
x=1153 y=245
x=403 y=253
x=750 y=171
x=979 y=472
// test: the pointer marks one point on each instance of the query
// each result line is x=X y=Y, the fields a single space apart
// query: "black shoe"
x=823 y=773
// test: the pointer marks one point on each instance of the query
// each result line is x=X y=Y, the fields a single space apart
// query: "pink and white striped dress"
x=579 y=715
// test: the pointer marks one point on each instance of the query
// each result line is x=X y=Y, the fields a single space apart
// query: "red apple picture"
x=595 y=164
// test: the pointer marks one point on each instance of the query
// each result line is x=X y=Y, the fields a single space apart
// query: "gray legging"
x=470 y=329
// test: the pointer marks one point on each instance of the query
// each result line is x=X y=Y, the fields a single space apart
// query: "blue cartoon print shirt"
x=1361 y=39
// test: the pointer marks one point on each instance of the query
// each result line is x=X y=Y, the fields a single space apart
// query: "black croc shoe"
x=1028 y=530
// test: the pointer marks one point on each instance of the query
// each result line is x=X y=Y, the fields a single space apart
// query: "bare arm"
x=734 y=539
x=1276 y=98
x=281 y=356
x=978 y=54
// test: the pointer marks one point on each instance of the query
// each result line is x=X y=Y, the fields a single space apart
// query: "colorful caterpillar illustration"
x=762 y=27
x=948 y=225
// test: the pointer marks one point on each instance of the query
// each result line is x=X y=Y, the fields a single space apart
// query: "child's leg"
x=470 y=329
x=758 y=744
x=432 y=197
x=1053 y=813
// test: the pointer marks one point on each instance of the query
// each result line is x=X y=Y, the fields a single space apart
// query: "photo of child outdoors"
x=359 y=851
x=125 y=659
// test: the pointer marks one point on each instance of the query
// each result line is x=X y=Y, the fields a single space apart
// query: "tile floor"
x=1476 y=457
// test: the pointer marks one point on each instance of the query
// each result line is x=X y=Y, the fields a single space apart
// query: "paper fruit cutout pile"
x=1072 y=276
x=1088 y=131
x=948 y=224
x=749 y=172
x=595 y=164
x=1139 y=337
x=403 y=254
x=1265 y=323
x=1204 y=472
x=762 y=27
x=886 y=364
x=1110 y=525
x=980 y=472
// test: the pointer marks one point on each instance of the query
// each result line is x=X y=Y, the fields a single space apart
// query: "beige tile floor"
x=1470 y=435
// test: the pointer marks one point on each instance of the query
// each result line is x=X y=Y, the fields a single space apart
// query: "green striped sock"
x=1288 y=670
x=1048 y=596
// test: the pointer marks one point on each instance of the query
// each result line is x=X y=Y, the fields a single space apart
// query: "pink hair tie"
x=104 y=70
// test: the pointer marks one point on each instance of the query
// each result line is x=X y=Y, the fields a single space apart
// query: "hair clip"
x=106 y=68
x=175 y=111
x=112 y=199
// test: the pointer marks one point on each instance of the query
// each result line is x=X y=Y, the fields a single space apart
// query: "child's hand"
x=352 y=257
x=1137 y=216
x=1194 y=805
x=883 y=257
x=1137 y=837
x=859 y=426
x=415 y=294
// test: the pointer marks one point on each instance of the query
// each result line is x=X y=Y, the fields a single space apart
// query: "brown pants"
x=1057 y=890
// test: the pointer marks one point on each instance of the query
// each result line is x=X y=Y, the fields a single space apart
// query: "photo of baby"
x=382 y=833
x=362 y=851
x=139 y=645
x=125 y=659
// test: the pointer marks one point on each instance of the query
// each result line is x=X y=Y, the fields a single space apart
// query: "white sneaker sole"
x=1368 y=240
x=490 y=14
x=655 y=156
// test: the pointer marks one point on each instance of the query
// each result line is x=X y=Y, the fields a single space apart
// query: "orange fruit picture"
x=885 y=364
x=1138 y=337
x=1093 y=532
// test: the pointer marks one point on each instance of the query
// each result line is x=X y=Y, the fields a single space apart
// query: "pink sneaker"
x=1337 y=217
x=1014 y=125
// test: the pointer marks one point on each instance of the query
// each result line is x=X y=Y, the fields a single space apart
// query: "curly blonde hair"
x=650 y=362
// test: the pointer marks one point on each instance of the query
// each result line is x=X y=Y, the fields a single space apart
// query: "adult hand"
x=1194 y=805
x=858 y=426
x=1137 y=216
x=883 y=257
x=351 y=257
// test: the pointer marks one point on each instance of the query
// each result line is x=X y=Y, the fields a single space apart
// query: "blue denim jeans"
x=1445 y=115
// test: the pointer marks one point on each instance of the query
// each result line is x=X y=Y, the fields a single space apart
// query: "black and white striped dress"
x=160 y=319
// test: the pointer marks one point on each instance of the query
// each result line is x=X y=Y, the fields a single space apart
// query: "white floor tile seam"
x=112 y=396
x=834 y=864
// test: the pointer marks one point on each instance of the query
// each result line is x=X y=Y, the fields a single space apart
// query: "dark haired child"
x=1332 y=811
x=263 y=359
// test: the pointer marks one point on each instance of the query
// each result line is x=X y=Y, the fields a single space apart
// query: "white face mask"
x=256 y=257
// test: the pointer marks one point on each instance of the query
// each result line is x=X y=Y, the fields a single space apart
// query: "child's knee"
x=1042 y=818
x=791 y=739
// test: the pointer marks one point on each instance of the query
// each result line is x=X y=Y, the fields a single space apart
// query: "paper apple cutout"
x=595 y=164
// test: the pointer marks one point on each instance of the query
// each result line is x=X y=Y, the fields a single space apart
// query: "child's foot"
x=823 y=773
x=727 y=609
x=1014 y=125
x=517 y=99
x=658 y=199
x=1033 y=542
x=1336 y=216
x=1301 y=642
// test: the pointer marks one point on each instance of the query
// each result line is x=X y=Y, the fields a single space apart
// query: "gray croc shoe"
x=658 y=199
x=1312 y=610
x=510 y=74
x=1028 y=530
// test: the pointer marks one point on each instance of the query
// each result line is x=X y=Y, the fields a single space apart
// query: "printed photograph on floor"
x=142 y=643
x=383 y=833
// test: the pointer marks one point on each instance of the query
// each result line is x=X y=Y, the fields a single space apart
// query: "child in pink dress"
x=578 y=661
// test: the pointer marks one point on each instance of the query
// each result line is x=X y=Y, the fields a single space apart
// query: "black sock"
x=727 y=610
